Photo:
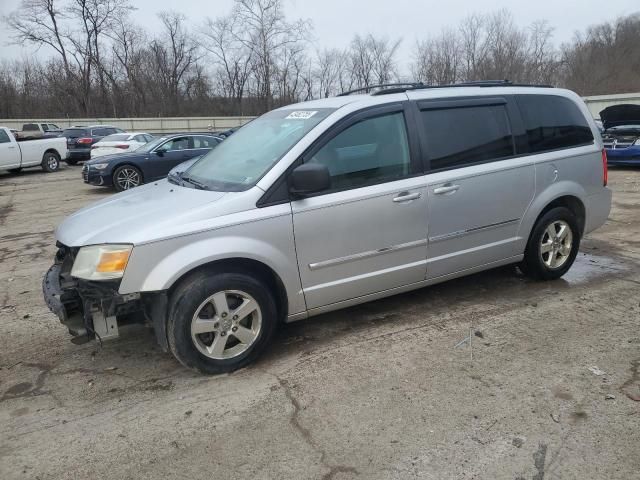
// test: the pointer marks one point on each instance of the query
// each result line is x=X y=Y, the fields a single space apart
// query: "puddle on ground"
x=589 y=267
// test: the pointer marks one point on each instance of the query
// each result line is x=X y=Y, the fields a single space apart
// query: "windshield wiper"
x=195 y=183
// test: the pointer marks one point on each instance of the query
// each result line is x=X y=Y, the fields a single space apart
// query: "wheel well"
x=246 y=266
x=572 y=203
x=51 y=150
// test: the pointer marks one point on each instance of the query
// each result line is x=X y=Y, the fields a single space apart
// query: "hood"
x=144 y=214
x=620 y=115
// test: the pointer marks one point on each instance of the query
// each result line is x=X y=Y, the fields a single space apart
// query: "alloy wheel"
x=556 y=244
x=226 y=324
x=52 y=162
x=128 y=178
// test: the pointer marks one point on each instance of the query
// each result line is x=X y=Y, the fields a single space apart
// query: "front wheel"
x=126 y=177
x=553 y=245
x=221 y=322
x=50 y=162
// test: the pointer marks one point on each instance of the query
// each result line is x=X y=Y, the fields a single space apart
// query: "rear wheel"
x=553 y=245
x=126 y=177
x=50 y=162
x=220 y=322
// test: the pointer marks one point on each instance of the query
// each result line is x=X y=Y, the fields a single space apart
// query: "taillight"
x=605 y=168
x=123 y=147
x=85 y=141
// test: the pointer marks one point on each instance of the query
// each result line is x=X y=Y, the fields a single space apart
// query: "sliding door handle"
x=446 y=189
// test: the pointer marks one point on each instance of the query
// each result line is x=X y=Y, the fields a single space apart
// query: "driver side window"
x=374 y=150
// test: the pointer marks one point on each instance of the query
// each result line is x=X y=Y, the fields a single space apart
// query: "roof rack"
x=393 y=86
x=389 y=88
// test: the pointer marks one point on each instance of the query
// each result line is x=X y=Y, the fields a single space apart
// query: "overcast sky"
x=336 y=21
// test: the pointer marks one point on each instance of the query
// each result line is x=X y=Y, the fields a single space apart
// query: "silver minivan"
x=330 y=203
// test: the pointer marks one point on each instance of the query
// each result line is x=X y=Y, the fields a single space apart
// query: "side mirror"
x=161 y=151
x=309 y=178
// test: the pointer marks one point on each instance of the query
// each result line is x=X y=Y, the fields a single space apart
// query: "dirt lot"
x=376 y=391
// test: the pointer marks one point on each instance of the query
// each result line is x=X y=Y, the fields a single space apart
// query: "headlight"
x=99 y=166
x=637 y=142
x=101 y=262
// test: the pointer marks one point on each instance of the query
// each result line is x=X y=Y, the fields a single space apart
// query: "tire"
x=547 y=258
x=71 y=161
x=217 y=349
x=126 y=177
x=50 y=162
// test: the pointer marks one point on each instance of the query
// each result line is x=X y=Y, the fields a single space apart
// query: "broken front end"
x=81 y=288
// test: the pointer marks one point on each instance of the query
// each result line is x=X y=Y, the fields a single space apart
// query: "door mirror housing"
x=161 y=151
x=308 y=179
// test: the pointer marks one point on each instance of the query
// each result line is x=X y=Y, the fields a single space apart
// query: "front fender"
x=157 y=266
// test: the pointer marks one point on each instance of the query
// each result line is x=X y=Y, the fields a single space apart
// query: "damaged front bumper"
x=91 y=309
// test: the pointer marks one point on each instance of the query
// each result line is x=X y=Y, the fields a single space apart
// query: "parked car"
x=622 y=134
x=148 y=163
x=44 y=152
x=38 y=130
x=322 y=205
x=120 y=143
x=81 y=139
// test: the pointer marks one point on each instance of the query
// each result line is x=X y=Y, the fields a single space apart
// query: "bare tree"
x=605 y=59
x=174 y=53
x=438 y=61
x=268 y=36
x=330 y=66
x=373 y=60
x=233 y=59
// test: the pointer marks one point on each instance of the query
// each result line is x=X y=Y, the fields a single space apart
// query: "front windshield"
x=243 y=158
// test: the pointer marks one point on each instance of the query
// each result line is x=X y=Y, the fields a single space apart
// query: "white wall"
x=597 y=103
x=150 y=125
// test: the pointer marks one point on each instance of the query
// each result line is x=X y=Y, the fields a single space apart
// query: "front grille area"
x=616 y=145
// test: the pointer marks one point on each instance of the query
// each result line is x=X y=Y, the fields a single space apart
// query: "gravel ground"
x=549 y=388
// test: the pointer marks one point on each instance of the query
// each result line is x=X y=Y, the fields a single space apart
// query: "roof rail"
x=402 y=87
x=389 y=88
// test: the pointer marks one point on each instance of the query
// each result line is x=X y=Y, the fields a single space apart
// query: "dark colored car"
x=80 y=140
x=622 y=134
x=150 y=162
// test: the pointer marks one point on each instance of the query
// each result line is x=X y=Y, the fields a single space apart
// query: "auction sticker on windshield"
x=301 y=115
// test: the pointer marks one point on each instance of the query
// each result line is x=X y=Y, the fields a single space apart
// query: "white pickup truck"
x=46 y=153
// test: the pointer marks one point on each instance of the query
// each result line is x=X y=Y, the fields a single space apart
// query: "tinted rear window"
x=74 y=132
x=30 y=127
x=553 y=123
x=463 y=136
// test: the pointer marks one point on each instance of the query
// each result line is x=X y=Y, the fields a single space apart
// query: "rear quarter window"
x=552 y=123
